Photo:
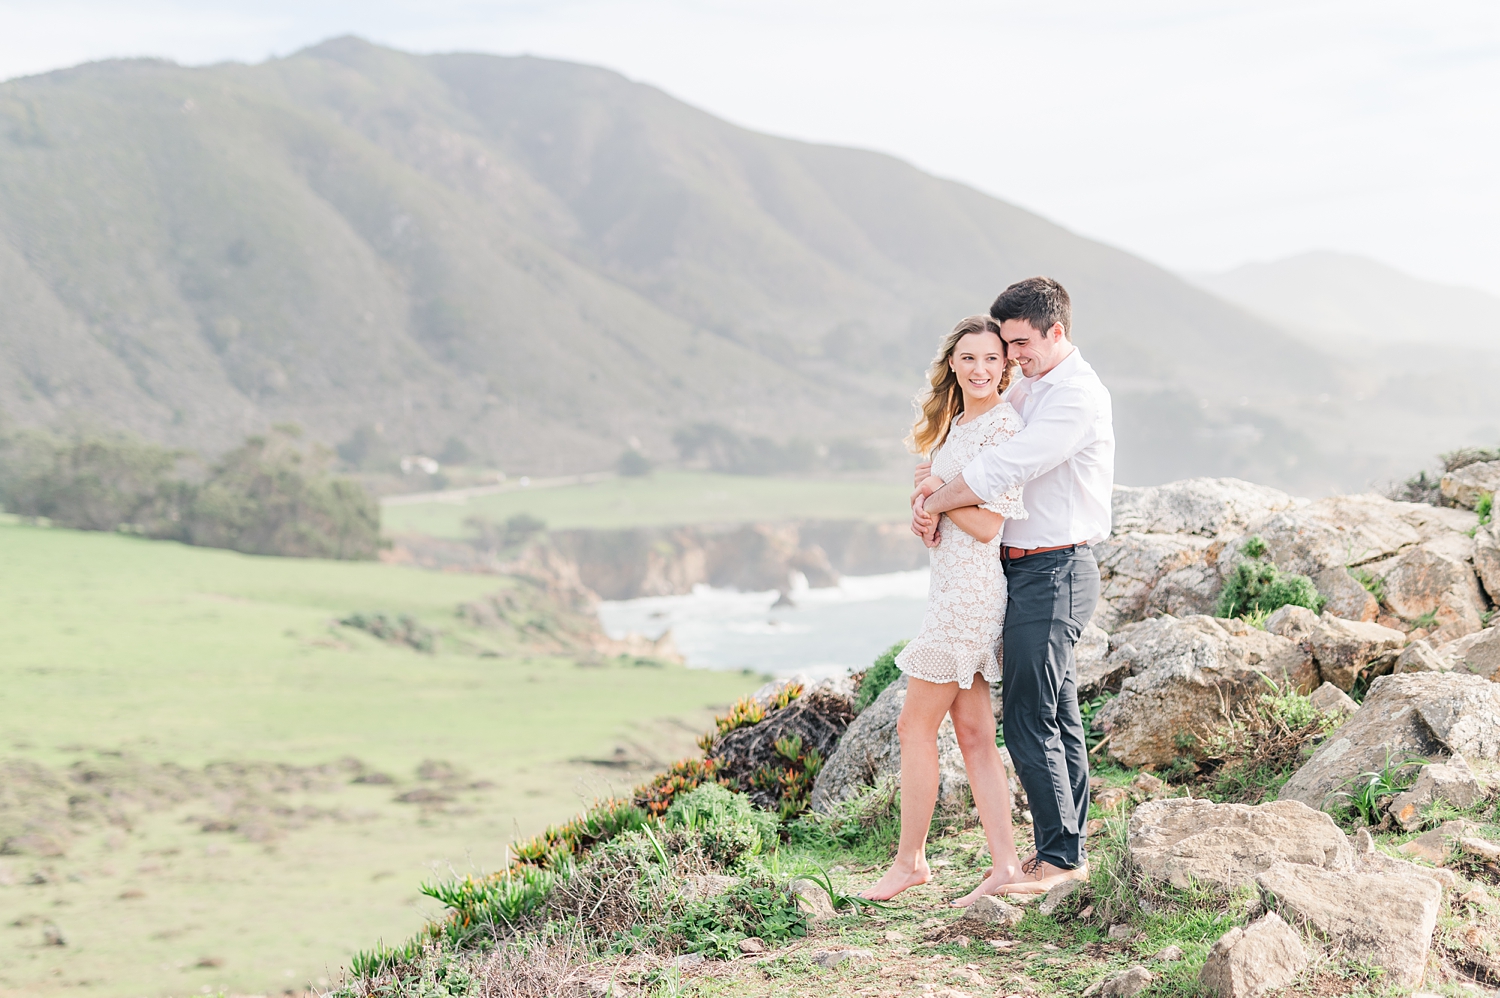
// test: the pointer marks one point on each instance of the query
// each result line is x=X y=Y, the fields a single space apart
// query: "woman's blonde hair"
x=944 y=399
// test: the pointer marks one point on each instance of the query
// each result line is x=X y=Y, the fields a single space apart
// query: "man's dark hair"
x=1040 y=301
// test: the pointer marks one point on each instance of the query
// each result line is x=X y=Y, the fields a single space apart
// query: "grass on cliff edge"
x=660 y=499
x=185 y=655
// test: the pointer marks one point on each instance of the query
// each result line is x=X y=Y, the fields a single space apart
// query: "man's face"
x=1036 y=352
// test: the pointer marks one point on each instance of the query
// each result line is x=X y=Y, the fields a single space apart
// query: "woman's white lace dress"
x=966 y=595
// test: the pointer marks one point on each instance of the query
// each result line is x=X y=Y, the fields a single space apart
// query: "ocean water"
x=824 y=632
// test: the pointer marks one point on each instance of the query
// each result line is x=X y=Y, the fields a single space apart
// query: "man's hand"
x=923 y=470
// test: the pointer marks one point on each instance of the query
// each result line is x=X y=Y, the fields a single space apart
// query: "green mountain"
x=544 y=261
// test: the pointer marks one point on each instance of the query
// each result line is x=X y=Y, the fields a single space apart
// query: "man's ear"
x=1057 y=333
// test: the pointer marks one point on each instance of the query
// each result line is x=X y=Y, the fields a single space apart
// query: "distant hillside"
x=543 y=260
x=1424 y=358
x=1360 y=300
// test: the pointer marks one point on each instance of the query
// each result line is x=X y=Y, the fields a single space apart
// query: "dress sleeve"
x=1008 y=503
x=944 y=465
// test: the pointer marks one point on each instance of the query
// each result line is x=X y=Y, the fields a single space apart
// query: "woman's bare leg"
x=926 y=706
x=974 y=723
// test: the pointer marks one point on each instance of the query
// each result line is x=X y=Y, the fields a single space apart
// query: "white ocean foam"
x=825 y=632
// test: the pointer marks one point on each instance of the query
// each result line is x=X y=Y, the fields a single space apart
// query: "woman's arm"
x=980 y=524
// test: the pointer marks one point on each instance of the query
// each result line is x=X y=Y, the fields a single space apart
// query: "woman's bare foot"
x=994 y=883
x=1042 y=877
x=899 y=877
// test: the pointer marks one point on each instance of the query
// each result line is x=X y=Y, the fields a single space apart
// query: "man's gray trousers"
x=1052 y=597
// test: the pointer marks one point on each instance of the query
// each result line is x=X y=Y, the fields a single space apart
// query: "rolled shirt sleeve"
x=1056 y=434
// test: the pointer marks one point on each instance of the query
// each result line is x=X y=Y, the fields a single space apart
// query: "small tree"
x=90 y=482
x=268 y=496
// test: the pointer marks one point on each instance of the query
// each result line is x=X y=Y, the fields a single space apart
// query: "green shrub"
x=401 y=629
x=633 y=464
x=881 y=674
x=268 y=496
x=1255 y=547
x=867 y=823
x=756 y=906
x=482 y=905
x=1485 y=507
x=569 y=842
x=728 y=827
x=1260 y=587
x=92 y=482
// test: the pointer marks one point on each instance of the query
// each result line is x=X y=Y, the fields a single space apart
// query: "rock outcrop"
x=1132 y=565
x=1183 y=674
x=1183 y=841
x=1466 y=485
x=1452 y=781
x=1265 y=955
x=1426 y=714
x=1487 y=556
x=1477 y=654
x=1347 y=597
x=871 y=749
x=1381 y=918
x=1091 y=657
x=1207 y=507
x=1345 y=648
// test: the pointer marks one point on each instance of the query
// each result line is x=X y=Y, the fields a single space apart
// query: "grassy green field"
x=662 y=498
x=125 y=654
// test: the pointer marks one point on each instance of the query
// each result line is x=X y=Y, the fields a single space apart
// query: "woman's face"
x=978 y=359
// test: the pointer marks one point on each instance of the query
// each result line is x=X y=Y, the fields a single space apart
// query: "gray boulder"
x=1183 y=840
x=1346 y=597
x=1422 y=582
x=1477 y=654
x=1182 y=673
x=1452 y=781
x=1334 y=533
x=1467 y=484
x=1344 y=648
x=1265 y=955
x=1185 y=592
x=1487 y=556
x=1131 y=564
x=1204 y=506
x=1427 y=714
x=1382 y=918
x=870 y=749
x=1329 y=699
x=1419 y=656
x=1090 y=657
x=1295 y=623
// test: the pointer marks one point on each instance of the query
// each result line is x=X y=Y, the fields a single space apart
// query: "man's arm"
x=954 y=495
x=1047 y=441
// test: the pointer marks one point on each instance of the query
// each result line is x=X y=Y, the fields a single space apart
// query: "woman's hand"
x=924 y=524
x=923 y=470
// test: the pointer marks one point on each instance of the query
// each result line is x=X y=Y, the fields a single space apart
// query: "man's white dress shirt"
x=1065 y=457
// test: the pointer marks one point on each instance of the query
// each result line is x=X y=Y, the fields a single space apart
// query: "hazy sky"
x=1198 y=134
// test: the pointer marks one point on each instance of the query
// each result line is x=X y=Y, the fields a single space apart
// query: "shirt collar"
x=1067 y=367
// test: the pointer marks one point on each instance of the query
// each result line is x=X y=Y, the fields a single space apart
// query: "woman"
x=951 y=663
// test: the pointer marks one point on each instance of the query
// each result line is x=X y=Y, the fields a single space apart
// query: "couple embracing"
x=1020 y=449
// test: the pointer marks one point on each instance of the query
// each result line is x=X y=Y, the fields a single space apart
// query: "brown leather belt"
x=1014 y=553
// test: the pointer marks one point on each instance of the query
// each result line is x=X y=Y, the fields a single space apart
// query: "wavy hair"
x=944 y=398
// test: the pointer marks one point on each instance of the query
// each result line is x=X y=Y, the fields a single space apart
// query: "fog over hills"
x=1356 y=300
x=544 y=260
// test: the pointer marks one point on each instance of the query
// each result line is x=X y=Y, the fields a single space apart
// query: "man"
x=1065 y=458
